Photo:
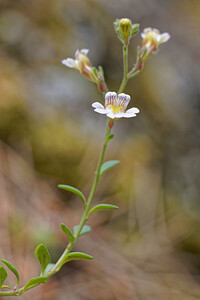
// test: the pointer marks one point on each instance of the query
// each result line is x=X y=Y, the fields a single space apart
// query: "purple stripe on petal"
x=124 y=100
x=110 y=98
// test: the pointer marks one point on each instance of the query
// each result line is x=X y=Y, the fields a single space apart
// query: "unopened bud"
x=125 y=28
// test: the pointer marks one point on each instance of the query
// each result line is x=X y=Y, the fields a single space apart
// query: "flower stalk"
x=125 y=64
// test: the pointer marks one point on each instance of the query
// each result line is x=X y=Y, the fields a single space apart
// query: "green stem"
x=84 y=218
x=125 y=78
x=133 y=74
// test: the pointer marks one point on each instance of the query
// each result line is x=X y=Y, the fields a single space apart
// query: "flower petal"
x=124 y=100
x=84 y=51
x=97 y=105
x=111 y=115
x=135 y=110
x=119 y=115
x=76 y=53
x=131 y=112
x=147 y=29
x=164 y=37
x=69 y=62
x=102 y=111
x=110 y=98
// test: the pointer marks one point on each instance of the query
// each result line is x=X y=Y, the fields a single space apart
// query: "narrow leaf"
x=49 y=268
x=76 y=256
x=108 y=165
x=35 y=281
x=3 y=275
x=102 y=207
x=73 y=190
x=43 y=256
x=84 y=230
x=110 y=137
x=12 y=269
x=67 y=231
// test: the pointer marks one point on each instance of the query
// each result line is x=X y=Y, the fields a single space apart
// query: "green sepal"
x=43 y=256
x=48 y=268
x=102 y=207
x=84 y=230
x=100 y=69
x=117 y=30
x=110 y=137
x=135 y=29
x=108 y=165
x=95 y=73
x=34 y=282
x=76 y=256
x=67 y=231
x=12 y=269
x=3 y=275
x=73 y=190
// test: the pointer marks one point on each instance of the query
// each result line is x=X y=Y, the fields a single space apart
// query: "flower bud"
x=125 y=29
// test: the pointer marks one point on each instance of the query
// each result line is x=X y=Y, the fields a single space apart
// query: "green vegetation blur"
x=49 y=134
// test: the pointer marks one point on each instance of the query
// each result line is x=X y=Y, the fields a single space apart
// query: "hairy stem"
x=125 y=61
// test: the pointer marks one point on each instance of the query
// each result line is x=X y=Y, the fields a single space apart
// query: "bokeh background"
x=150 y=248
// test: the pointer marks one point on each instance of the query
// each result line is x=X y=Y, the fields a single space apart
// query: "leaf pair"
x=67 y=231
x=105 y=167
x=43 y=256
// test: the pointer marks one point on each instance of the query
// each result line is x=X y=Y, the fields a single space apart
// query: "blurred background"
x=150 y=248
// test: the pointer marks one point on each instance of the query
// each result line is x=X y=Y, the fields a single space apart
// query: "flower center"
x=115 y=110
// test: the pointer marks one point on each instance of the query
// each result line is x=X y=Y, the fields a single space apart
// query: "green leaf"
x=12 y=269
x=67 y=231
x=43 y=256
x=84 y=230
x=102 y=207
x=3 y=275
x=35 y=281
x=76 y=256
x=110 y=137
x=108 y=165
x=73 y=190
x=49 y=268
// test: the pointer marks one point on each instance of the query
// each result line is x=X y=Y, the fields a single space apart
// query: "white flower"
x=152 y=38
x=115 y=106
x=81 y=63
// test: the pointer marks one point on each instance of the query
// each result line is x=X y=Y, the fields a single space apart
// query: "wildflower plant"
x=115 y=107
